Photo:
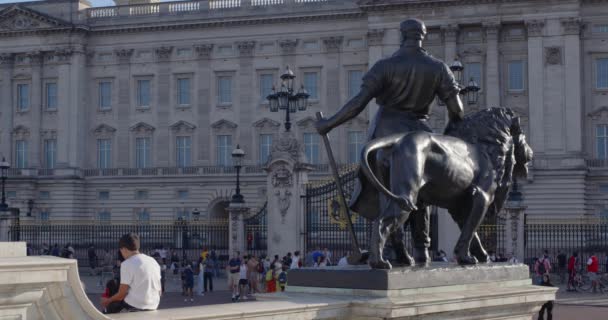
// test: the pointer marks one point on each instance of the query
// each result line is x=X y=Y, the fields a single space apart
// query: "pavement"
x=568 y=306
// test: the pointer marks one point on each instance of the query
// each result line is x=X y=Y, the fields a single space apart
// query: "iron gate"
x=256 y=232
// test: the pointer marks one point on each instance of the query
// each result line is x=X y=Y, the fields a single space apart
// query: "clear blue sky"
x=96 y=3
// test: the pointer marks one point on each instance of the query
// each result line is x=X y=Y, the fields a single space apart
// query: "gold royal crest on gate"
x=337 y=213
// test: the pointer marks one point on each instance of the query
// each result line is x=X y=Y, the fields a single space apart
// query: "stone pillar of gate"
x=236 y=212
x=6 y=221
x=514 y=232
x=287 y=175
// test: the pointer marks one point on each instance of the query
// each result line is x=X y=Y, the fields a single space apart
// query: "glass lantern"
x=237 y=156
x=4 y=166
x=293 y=104
x=302 y=97
x=283 y=97
x=457 y=69
x=288 y=78
x=273 y=101
x=472 y=92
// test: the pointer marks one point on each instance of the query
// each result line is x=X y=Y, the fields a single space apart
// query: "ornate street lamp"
x=457 y=69
x=471 y=90
x=286 y=99
x=237 y=157
x=515 y=198
x=30 y=207
x=4 y=166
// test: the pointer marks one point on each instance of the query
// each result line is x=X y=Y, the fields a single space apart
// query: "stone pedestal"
x=442 y=291
x=236 y=212
x=287 y=175
x=5 y=226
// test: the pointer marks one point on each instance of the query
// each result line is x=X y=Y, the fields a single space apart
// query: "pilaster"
x=35 y=110
x=6 y=105
x=204 y=102
x=123 y=108
x=161 y=141
x=535 y=84
x=245 y=107
x=492 y=84
x=375 y=38
x=236 y=212
x=332 y=72
x=573 y=82
x=63 y=110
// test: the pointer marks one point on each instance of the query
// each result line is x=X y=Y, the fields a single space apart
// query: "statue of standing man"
x=404 y=86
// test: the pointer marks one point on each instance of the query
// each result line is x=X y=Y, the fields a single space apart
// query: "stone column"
x=236 y=211
x=492 y=85
x=63 y=110
x=287 y=175
x=77 y=123
x=514 y=231
x=204 y=102
x=162 y=142
x=35 y=111
x=450 y=35
x=374 y=43
x=535 y=84
x=573 y=83
x=6 y=105
x=123 y=108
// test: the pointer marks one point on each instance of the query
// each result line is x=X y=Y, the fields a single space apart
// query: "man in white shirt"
x=295 y=260
x=140 y=286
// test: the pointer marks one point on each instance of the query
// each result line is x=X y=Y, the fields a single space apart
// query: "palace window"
x=601 y=70
x=516 y=75
x=142 y=153
x=224 y=150
x=104 y=153
x=311 y=147
x=105 y=95
x=23 y=97
x=354 y=82
x=103 y=195
x=183 y=194
x=265 y=147
x=311 y=84
x=183 y=151
x=143 y=93
x=183 y=91
x=44 y=215
x=143 y=215
x=50 y=152
x=44 y=195
x=141 y=195
x=104 y=216
x=51 y=96
x=356 y=139
x=224 y=90
x=21 y=154
x=601 y=137
x=266 y=83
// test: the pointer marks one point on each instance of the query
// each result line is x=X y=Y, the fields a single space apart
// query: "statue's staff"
x=358 y=256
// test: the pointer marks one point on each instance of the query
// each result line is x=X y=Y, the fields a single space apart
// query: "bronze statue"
x=404 y=86
x=467 y=171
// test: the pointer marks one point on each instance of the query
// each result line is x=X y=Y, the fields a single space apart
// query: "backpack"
x=541 y=266
x=283 y=277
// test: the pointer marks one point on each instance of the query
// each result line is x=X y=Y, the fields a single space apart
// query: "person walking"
x=201 y=276
x=234 y=268
x=92 y=254
x=252 y=273
x=547 y=306
x=271 y=284
x=188 y=282
x=593 y=266
x=243 y=282
x=561 y=266
x=572 y=263
x=542 y=267
x=140 y=287
x=295 y=261
x=208 y=274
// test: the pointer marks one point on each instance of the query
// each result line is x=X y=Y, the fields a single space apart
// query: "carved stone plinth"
x=236 y=212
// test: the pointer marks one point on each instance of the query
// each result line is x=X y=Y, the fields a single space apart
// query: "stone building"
x=132 y=111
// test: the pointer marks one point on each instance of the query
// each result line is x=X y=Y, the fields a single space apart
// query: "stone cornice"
x=535 y=27
x=491 y=29
x=6 y=58
x=288 y=45
x=164 y=52
x=182 y=126
x=266 y=122
x=245 y=48
x=572 y=26
x=18 y=20
x=375 y=37
x=35 y=57
x=124 y=54
x=450 y=32
x=204 y=50
x=224 y=124
x=333 y=44
x=385 y=5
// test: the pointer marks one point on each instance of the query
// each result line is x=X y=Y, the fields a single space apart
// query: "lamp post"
x=237 y=157
x=4 y=166
x=471 y=90
x=286 y=98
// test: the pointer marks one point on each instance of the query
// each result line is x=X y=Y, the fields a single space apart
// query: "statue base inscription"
x=441 y=291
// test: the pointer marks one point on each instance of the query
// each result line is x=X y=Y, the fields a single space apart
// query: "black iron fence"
x=256 y=232
x=584 y=237
x=186 y=238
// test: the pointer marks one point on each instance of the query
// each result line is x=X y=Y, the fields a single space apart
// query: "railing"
x=597 y=163
x=186 y=238
x=179 y=7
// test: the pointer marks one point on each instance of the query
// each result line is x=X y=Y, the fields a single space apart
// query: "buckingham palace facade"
x=132 y=111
